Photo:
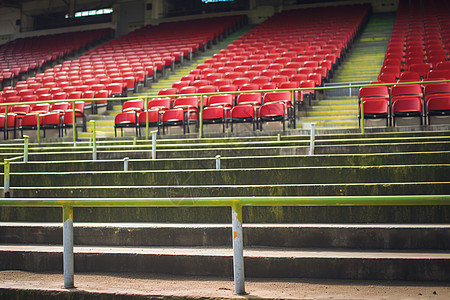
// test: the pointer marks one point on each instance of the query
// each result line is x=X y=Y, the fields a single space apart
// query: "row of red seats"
x=51 y=116
x=261 y=60
x=420 y=41
x=406 y=100
x=253 y=108
x=22 y=55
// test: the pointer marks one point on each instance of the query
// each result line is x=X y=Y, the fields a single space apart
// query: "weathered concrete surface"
x=343 y=214
x=259 y=262
x=295 y=175
x=432 y=157
x=351 y=236
x=26 y=285
x=332 y=189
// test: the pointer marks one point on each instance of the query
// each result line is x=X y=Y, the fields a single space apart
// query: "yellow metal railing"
x=201 y=95
x=236 y=203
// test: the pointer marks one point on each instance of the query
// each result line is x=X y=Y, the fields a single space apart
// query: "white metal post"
x=312 y=139
x=125 y=164
x=6 y=170
x=218 y=162
x=25 y=148
x=154 y=144
x=238 y=250
x=68 y=261
x=94 y=139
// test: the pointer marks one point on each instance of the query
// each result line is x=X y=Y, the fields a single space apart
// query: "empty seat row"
x=406 y=100
x=223 y=109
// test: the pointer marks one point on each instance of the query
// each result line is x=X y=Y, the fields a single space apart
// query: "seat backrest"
x=249 y=87
x=168 y=91
x=125 y=117
x=277 y=96
x=153 y=116
x=225 y=99
x=20 y=109
x=374 y=91
x=160 y=103
x=188 y=90
x=228 y=88
x=437 y=88
x=133 y=105
x=254 y=98
x=40 y=107
x=173 y=115
x=191 y=102
x=407 y=89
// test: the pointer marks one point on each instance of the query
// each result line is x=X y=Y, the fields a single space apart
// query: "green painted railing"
x=236 y=203
x=201 y=95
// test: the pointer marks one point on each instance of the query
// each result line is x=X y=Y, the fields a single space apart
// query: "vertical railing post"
x=362 y=116
x=312 y=139
x=38 y=127
x=217 y=162
x=6 y=170
x=154 y=132
x=146 y=118
x=74 y=126
x=94 y=140
x=125 y=163
x=200 y=120
x=5 y=125
x=68 y=262
x=238 y=249
x=25 y=148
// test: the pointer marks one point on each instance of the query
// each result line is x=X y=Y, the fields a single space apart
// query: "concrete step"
x=259 y=262
x=211 y=151
x=326 y=236
x=290 y=175
x=238 y=190
x=407 y=158
x=323 y=113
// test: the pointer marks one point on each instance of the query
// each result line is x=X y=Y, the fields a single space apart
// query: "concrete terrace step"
x=330 y=236
x=240 y=150
x=371 y=159
x=292 y=175
x=259 y=262
x=237 y=190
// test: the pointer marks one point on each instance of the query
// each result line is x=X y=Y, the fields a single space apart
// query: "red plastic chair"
x=407 y=106
x=173 y=117
x=375 y=107
x=52 y=120
x=125 y=120
x=215 y=115
x=244 y=113
x=190 y=107
x=270 y=112
x=154 y=119
x=437 y=105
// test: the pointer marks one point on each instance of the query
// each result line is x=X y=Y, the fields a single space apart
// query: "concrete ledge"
x=294 y=175
x=259 y=262
x=330 y=236
x=342 y=214
x=432 y=157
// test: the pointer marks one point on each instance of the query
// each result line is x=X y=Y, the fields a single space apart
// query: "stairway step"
x=327 y=236
x=259 y=262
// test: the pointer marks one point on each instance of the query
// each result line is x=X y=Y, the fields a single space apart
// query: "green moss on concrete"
x=356 y=214
x=296 y=175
